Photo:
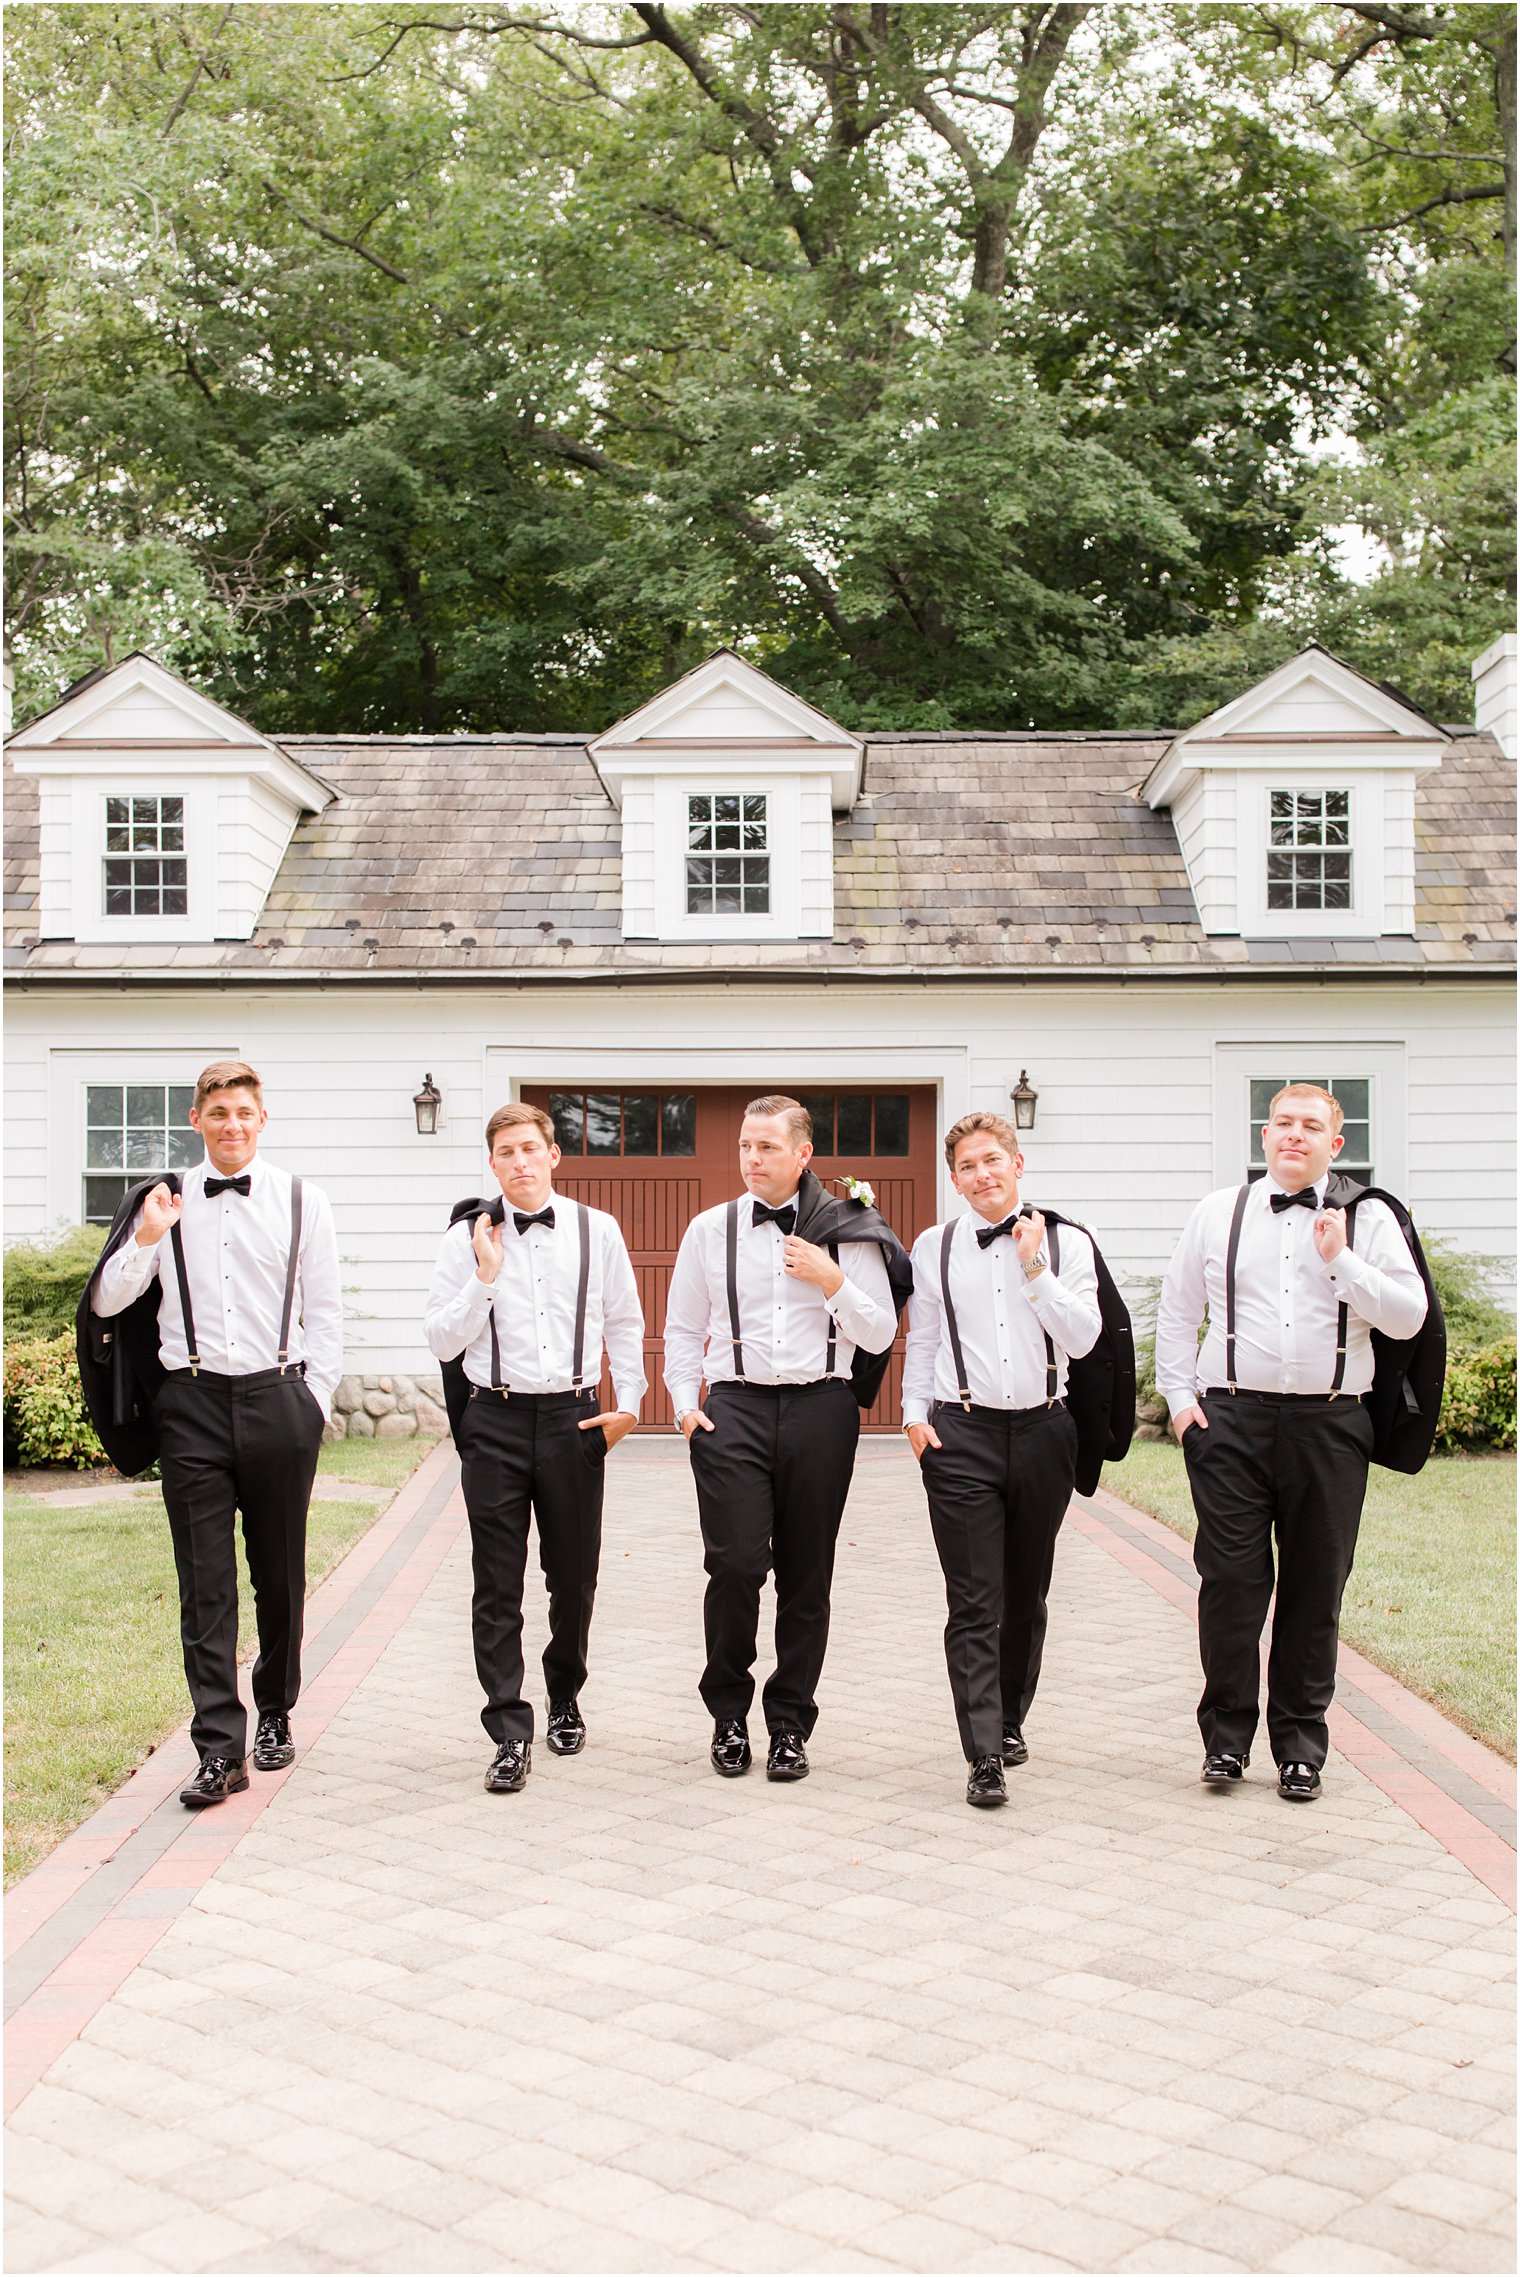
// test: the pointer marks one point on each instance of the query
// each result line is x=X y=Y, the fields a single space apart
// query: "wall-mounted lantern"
x=1024 y=1096
x=427 y=1102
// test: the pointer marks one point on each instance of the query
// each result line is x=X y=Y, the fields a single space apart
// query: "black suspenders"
x=1232 y=1251
x=287 y=1313
x=731 y=1255
x=731 y=1274
x=582 y=1288
x=963 y=1389
x=1231 y=1255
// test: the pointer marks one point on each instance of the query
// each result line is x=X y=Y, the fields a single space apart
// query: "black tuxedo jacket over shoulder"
x=1100 y=1387
x=1408 y=1374
x=119 y=1367
x=826 y=1220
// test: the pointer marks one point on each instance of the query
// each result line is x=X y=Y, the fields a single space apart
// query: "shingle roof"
x=474 y=855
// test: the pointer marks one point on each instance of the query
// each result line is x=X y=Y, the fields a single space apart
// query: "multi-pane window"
x=858 y=1122
x=133 y=1131
x=1355 y=1095
x=624 y=1122
x=728 y=862
x=1309 y=859
x=145 y=857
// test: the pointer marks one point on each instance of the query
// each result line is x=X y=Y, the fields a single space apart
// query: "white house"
x=728 y=892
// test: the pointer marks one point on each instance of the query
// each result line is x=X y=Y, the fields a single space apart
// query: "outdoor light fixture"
x=427 y=1102
x=1023 y=1096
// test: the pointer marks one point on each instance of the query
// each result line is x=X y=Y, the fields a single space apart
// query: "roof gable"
x=727 y=711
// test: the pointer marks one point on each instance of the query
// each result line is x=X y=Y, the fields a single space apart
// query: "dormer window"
x=145 y=873
x=728 y=863
x=1309 y=856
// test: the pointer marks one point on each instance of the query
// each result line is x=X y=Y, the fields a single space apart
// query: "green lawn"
x=93 y=1677
x=1432 y=1594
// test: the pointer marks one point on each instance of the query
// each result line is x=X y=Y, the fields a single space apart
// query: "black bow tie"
x=522 y=1219
x=1305 y=1199
x=240 y=1185
x=986 y=1235
x=785 y=1217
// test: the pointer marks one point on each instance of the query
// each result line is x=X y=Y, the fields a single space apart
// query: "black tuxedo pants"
x=522 y=1456
x=229 y=1444
x=998 y=1485
x=772 y=1479
x=1295 y=1468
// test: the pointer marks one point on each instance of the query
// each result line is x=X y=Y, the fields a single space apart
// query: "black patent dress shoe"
x=218 y=1777
x=510 y=1767
x=730 y=1748
x=788 y=1757
x=273 y=1746
x=1223 y=1770
x=986 y=1787
x=1297 y=1782
x=566 y=1728
x=1015 y=1746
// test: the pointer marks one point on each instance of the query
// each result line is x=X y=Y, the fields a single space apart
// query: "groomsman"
x=527 y=1292
x=993 y=1330
x=1275 y=1426
x=773 y=1321
x=249 y=1333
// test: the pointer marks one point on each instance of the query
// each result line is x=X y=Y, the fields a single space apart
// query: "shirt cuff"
x=683 y=1397
x=1180 y=1402
x=629 y=1397
x=479 y=1293
x=1348 y=1271
x=134 y=1262
x=915 y=1411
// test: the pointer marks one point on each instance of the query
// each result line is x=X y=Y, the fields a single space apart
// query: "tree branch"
x=1446 y=198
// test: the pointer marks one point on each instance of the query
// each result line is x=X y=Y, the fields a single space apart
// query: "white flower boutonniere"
x=860 y=1190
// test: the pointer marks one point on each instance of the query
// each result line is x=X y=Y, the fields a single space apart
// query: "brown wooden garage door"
x=655 y=1157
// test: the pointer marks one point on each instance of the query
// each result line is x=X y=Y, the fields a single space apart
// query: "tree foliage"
x=404 y=367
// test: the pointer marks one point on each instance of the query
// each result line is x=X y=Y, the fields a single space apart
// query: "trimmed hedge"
x=45 y=1418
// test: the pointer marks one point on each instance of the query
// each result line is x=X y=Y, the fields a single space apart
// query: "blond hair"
x=226 y=1075
x=799 y=1123
x=518 y=1111
x=982 y=1119
x=1309 y=1091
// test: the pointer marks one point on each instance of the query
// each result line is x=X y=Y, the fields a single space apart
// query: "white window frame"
x=1380 y=1063
x=89 y=841
x=1365 y=916
x=740 y=854
x=783 y=816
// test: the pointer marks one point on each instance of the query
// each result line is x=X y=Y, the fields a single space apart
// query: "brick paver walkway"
x=369 y=2018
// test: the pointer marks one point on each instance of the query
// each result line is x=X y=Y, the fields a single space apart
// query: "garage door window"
x=624 y=1122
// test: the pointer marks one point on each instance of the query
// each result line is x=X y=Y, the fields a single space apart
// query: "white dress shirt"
x=1003 y=1319
x=783 y=1322
x=533 y=1296
x=237 y=1247
x=1287 y=1298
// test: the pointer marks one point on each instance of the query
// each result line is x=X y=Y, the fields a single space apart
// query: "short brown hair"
x=226 y=1075
x=982 y=1119
x=518 y=1111
x=799 y=1123
x=1310 y=1091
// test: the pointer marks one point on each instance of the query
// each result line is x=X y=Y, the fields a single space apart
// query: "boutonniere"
x=857 y=1190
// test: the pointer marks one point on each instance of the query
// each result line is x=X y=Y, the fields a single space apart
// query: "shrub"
x=1464 y=1280
x=1479 y=1407
x=45 y=1418
x=44 y=1281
